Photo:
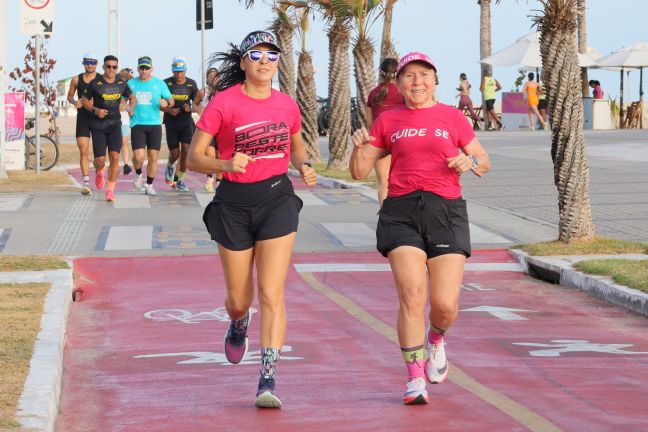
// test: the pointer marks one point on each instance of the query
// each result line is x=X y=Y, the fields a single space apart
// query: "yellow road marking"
x=517 y=411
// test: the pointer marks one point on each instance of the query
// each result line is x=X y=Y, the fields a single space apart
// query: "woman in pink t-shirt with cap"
x=255 y=212
x=423 y=223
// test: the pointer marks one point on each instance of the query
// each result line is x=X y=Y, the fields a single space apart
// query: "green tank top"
x=489 y=88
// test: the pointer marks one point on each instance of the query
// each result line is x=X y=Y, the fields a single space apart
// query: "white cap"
x=90 y=55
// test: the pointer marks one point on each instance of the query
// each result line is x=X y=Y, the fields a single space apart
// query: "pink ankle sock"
x=414 y=361
x=434 y=337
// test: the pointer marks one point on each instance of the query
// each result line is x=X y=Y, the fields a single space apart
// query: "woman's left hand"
x=308 y=175
x=460 y=163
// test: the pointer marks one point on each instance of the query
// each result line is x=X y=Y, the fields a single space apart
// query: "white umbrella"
x=632 y=56
x=525 y=52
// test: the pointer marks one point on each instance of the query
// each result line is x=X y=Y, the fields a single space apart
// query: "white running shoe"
x=436 y=366
x=138 y=183
x=148 y=189
x=416 y=393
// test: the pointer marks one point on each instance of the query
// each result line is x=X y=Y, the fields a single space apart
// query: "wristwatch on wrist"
x=474 y=161
x=308 y=164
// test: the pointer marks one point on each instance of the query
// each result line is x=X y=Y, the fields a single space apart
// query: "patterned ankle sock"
x=269 y=360
x=413 y=357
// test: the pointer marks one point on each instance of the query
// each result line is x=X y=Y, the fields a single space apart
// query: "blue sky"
x=447 y=30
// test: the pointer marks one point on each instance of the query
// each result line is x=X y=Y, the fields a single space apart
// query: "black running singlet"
x=182 y=94
x=81 y=86
x=107 y=96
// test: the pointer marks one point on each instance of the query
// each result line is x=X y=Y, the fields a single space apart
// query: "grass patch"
x=598 y=246
x=633 y=274
x=343 y=175
x=29 y=181
x=31 y=263
x=21 y=306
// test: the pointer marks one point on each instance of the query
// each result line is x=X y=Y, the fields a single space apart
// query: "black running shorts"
x=179 y=133
x=243 y=213
x=542 y=104
x=149 y=136
x=109 y=136
x=83 y=124
x=436 y=225
x=490 y=104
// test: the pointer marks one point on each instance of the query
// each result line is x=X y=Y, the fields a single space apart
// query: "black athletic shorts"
x=436 y=225
x=149 y=136
x=179 y=133
x=244 y=213
x=542 y=104
x=490 y=104
x=83 y=124
x=110 y=136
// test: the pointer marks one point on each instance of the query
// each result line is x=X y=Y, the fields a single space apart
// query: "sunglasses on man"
x=256 y=55
x=144 y=67
x=107 y=66
x=90 y=62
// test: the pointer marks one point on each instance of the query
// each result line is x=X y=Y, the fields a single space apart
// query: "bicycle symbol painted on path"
x=206 y=357
x=562 y=346
x=187 y=317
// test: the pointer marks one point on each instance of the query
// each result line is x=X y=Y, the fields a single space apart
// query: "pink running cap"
x=414 y=56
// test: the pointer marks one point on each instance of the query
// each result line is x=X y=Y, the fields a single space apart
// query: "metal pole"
x=202 y=41
x=3 y=65
x=109 y=28
x=641 y=97
x=621 y=103
x=37 y=104
x=117 y=30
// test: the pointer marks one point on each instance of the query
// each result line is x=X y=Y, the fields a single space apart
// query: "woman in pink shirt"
x=383 y=98
x=255 y=212
x=423 y=224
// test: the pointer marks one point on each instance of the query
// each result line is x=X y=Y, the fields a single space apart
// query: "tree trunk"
x=582 y=44
x=387 y=49
x=485 y=48
x=562 y=73
x=286 y=66
x=307 y=101
x=365 y=75
x=339 y=93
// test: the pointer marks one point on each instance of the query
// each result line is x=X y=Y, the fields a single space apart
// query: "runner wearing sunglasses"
x=102 y=97
x=255 y=212
x=78 y=86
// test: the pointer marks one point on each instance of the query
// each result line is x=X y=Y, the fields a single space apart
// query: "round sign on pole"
x=36 y=4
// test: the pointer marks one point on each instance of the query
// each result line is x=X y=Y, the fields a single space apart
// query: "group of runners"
x=422 y=228
x=115 y=105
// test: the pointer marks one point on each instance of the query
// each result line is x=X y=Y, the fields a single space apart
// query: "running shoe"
x=436 y=366
x=235 y=343
x=149 y=190
x=266 y=397
x=168 y=174
x=100 y=180
x=181 y=186
x=110 y=195
x=85 y=190
x=138 y=183
x=209 y=185
x=127 y=169
x=416 y=393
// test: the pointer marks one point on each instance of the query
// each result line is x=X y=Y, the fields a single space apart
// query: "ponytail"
x=230 y=72
x=387 y=75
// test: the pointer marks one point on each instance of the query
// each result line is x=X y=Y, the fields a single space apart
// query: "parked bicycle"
x=49 y=148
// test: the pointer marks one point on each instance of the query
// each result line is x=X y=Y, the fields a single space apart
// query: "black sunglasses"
x=110 y=66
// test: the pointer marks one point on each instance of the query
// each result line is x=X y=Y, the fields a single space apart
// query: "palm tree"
x=306 y=91
x=387 y=49
x=339 y=89
x=557 y=25
x=485 y=46
x=283 y=27
x=363 y=49
x=582 y=43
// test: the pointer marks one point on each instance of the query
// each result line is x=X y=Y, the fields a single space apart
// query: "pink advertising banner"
x=513 y=103
x=14 y=116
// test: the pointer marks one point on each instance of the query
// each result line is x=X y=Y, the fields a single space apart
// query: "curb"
x=559 y=270
x=38 y=405
x=333 y=183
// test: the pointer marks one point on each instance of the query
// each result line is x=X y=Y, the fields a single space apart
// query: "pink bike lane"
x=144 y=352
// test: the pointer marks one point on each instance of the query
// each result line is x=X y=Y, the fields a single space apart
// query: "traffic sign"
x=36 y=17
x=209 y=15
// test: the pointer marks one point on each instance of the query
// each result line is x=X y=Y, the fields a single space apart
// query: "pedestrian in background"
x=383 y=98
x=423 y=223
x=126 y=74
x=531 y=96
x=597 y=89
x=465 y=102
x=255 y=212
x=489 y=86
x=205 y=94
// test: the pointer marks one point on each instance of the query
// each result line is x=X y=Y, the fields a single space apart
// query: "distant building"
x=64 y=108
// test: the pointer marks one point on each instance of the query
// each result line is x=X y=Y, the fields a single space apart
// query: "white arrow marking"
x=502 y=313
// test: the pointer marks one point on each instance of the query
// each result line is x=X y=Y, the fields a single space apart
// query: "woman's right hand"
x=361 y=138
x=238 y=163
